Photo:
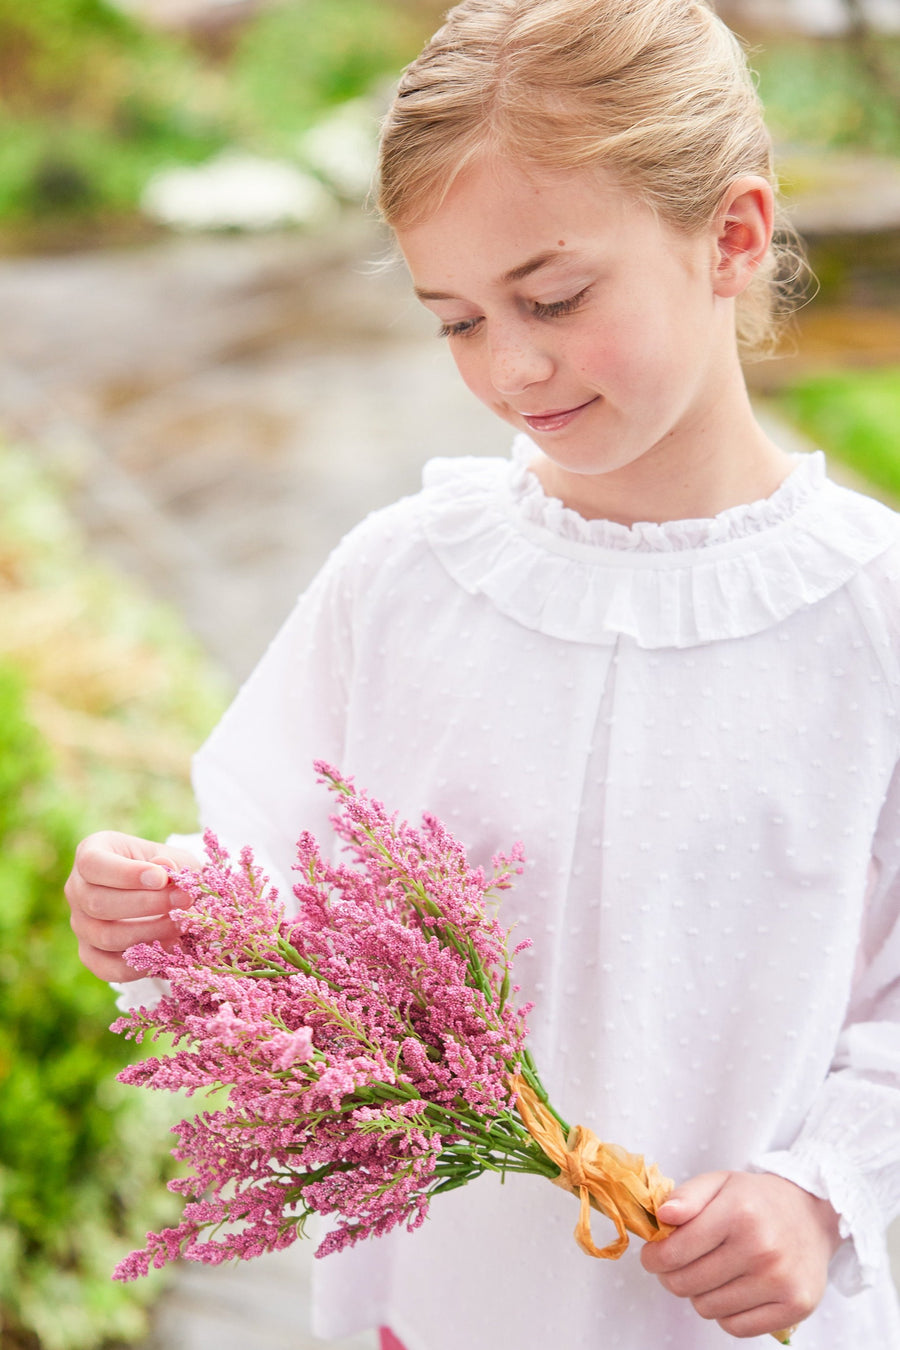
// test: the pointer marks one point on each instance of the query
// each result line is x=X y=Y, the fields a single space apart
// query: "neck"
x=721 y=460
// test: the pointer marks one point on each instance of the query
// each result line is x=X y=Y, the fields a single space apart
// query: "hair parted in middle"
x=657 y=92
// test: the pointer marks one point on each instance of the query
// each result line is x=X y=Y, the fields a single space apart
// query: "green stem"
x=528 y=1069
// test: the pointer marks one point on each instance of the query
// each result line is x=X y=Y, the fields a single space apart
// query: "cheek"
x=636 y=344
x=600 y=355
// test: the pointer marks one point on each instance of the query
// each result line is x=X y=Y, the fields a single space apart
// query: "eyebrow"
x=525 y=269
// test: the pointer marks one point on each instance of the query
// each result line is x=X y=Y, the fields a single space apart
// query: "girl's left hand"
x=751 y=1251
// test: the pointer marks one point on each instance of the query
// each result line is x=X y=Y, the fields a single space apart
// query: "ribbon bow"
x=619 y=1184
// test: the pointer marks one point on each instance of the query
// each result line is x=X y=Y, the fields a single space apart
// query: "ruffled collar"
x=548 y=513
x=675 y=584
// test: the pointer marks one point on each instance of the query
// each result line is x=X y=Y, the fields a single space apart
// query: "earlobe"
x=744 y=224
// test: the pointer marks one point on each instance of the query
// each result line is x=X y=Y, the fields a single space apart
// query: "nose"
x=518 y=359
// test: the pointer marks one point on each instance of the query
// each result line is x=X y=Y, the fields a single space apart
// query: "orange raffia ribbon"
x=621 y=1185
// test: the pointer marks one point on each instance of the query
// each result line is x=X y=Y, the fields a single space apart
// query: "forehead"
x=497 y=216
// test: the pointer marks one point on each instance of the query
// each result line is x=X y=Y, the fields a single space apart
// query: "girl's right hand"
x=120 y=893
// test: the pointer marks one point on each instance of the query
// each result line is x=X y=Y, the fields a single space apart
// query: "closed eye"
x=559 y=307
x=460 y=329
x=554 y=310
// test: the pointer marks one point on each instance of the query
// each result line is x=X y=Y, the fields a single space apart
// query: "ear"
x=743 y=227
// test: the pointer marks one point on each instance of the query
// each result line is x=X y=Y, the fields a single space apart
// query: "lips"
x=555 y=421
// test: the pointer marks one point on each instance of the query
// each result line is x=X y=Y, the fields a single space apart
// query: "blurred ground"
x=257 y=1305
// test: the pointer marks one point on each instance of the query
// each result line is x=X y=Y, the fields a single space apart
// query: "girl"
x=653 y=646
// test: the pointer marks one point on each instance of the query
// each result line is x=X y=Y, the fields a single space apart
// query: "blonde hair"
x=656 y=91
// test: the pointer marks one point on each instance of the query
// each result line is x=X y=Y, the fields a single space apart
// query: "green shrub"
x=854 y=415
x=59 y=171
x=102 y=698
x=80 y=1179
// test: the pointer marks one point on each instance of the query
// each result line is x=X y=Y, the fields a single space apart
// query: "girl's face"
x=578 y=316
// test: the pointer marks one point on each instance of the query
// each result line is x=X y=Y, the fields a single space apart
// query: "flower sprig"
x=367 y=1044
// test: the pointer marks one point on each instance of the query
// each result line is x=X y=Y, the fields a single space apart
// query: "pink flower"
x=225 y=1026
x=291 y=1047
x=366 y=1045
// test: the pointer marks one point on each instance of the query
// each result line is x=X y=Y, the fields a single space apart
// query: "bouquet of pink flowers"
x=370 y=1047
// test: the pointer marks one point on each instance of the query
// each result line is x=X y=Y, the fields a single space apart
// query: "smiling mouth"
x=555 y=421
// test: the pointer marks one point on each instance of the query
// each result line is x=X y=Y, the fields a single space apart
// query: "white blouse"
x=693 y=728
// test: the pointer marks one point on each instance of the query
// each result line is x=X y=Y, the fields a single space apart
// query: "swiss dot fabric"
x=693 y=728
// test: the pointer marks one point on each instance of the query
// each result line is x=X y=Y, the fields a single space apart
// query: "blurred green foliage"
x=120 y=690
x=854 y=415
x=47 y=44
x=90 y=104
x=101 y=698
x=834 y=93
x=298 y=59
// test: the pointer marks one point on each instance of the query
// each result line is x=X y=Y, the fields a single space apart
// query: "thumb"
x=687 y=1200
x=155 y=876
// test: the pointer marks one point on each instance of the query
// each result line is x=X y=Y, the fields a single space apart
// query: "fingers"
x=757 y=1306
x=751 y=1252
x=745 y=1308
x=120 y=894
x=107 y=903
x=769 y=1319
x=109 y=966
x=101 y=942
x=116 y=937
x=108 y=865
x=117 y=876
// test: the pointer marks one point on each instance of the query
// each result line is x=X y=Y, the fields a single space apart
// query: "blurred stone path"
x=224 y=409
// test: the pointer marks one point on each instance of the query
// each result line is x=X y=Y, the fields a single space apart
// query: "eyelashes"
x=461 y=329
x=558 y=307
x=555 y=310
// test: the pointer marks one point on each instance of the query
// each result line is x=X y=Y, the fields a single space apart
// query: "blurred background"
x=209 y=369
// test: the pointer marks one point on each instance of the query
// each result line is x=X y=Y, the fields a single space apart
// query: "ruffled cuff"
x=825 y=1173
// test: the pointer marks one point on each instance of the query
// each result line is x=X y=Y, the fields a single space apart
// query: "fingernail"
x=155 y=878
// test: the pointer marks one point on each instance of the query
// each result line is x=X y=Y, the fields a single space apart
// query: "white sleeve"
x=848 y=1151
x=254 y=778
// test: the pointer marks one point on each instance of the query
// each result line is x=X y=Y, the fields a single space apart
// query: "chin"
x=589 y=463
